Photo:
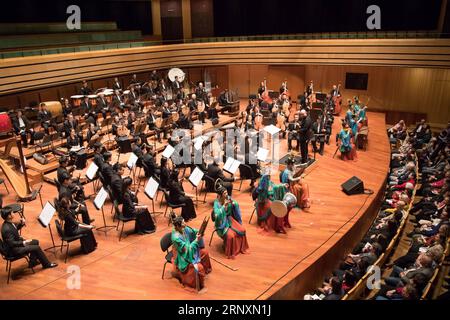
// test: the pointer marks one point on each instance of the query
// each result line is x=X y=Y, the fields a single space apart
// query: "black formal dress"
x=177 y=196
x=72 y=228
x=144 y=221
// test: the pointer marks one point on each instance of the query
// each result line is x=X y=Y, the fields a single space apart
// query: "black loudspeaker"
x=354 y=185
x=124 y=144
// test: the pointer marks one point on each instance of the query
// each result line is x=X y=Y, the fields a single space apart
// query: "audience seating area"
x=22 y=40
x=412 y=264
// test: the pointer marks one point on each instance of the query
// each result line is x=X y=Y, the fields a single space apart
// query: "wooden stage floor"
x=131 y=269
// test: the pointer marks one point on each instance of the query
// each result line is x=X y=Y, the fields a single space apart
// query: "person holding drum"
x=264 y=194
x=298 y=187
x=227 y=219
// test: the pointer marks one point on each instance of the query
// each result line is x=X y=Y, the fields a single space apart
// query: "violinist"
x=89 y=114
x=92 y=132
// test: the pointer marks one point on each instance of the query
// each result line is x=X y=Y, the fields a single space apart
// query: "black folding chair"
x=166 y=243
x=121 y=218
x=67 y=239
x=11 y=258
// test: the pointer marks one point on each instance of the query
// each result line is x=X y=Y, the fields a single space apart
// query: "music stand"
x=99 y=201
x=45 y=218
x=131 y=164
x=231 y=166
x=151 y=188
x=91 y=173
x=195 y=178
x=272 y=131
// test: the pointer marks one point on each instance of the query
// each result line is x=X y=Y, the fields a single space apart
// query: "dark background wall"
x=253 y=17
x=129 y=14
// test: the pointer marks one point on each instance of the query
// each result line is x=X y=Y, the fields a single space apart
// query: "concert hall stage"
x=279 y=266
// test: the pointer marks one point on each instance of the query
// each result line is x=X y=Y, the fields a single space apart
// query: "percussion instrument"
x=93 y=99
x=55 y=107
x=176 y=72
x=108 y=95
x=5 y=123
x=76 y=100
x=281 y=208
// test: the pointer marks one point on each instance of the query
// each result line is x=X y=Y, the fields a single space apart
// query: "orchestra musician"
x=66 y=191
x=200 y=92
x=176 y=87
x=319 y=132
x=215 y=173
x=15 y=245
x=75 y=186
x=103 y=105
x=335 y=92
x=134 y=81
x=116 y=85
x=225 y=101
x=178 y=196
x=93 y=132
x=213 y=114
x=345 y=146
x=131 y=208
x=309 y=89
x=263 y=194
x=72 y=227
x=190 y=259
x=298 y=187
x=117 y=100
x=149 y=159
x=261 y=89
x=117 y=182
x=67 y=107
x=85 y=90
x=228 y=224
x=88 y=111
x=293 y=130
x=22 y=127
x=45 y=117
x=73 y=140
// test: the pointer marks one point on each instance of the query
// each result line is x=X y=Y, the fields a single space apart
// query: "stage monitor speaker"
x=354 y=185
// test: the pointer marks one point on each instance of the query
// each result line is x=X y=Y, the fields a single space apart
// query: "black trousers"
x=35 y=251
x=321 y=143
x=144 y=221
x=304 y=150
x=290 y=138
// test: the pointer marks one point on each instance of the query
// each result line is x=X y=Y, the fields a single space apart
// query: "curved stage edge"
x=278 y=266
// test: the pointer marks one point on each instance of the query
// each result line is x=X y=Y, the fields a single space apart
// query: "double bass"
x=265 y=95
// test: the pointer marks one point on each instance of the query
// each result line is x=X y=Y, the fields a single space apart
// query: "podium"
x=272 y=131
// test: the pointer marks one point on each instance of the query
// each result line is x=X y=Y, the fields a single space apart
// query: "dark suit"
x=45 y=118
x=107 y=172
x=177 y=196
x=14 y=244
x=117 y=86
x=23 y=130
x=216 y=173
x=116 y=187
x=68 y=192
x=304 y=136
x=317 y=129
x=150 y=163
x=143 y=220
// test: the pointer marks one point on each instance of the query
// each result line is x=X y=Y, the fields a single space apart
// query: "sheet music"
x=91 y=171
x=198 y=142
x=151 y=188
x=132 y=161
x=168 y=151
x=46 y=214
x=231 y=165
x=196 y=176
x=272 y=130
x=99 y=200
x=262 y=154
